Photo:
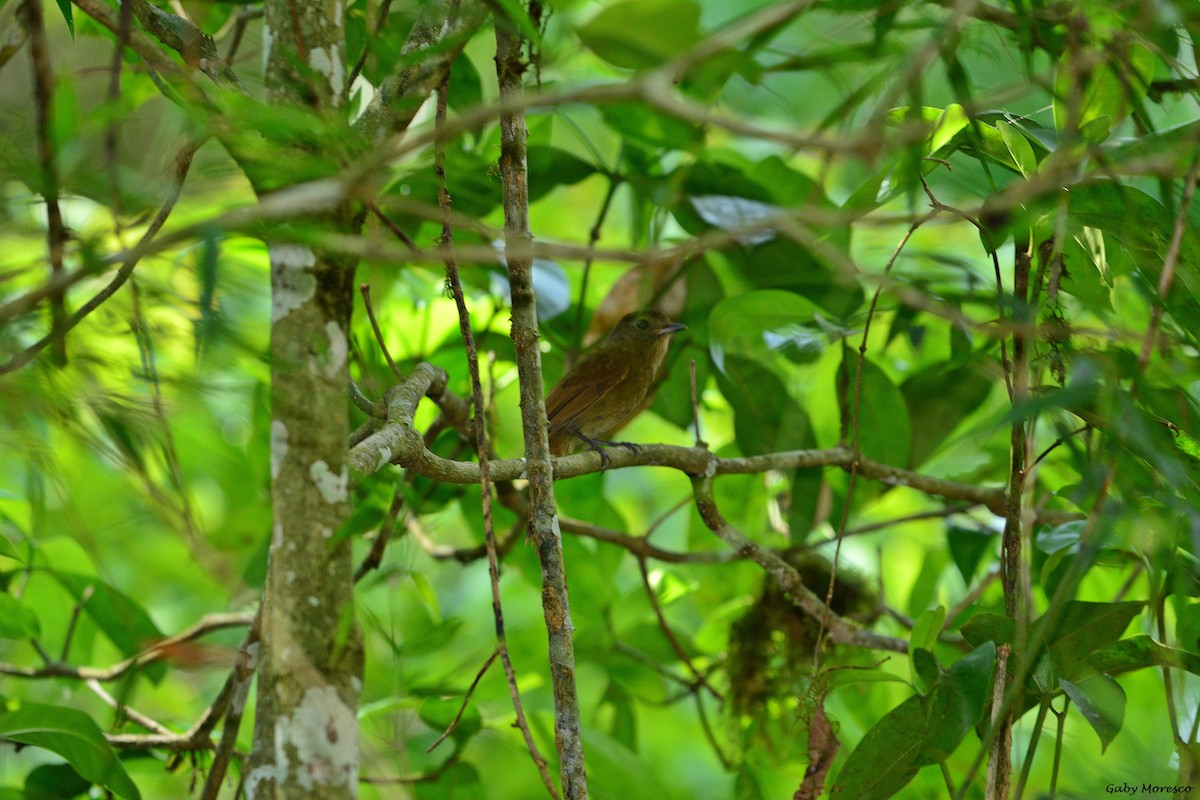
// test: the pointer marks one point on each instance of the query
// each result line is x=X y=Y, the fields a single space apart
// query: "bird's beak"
x=672 y=328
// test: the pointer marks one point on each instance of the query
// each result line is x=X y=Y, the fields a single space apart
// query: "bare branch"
x=156 y=652
x=789 y=580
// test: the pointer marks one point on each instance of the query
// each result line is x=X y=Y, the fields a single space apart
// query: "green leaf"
x=924 y=636
x=927 y=628
x=637 y=34
x=550 y=167
x=766 y=418
x=925 y=669
x=1140 y=652
x=967 y=546
x=938 y=398
x=64 y=6
x=1145 y=227
x=72 y=735
x=985 y=627
x=1066 y=536
x=439 y=712
x=7 y=548
x=16 y=620
x=647 y=126
x=1172 y=149
x=951 y=121
x=849 y=676
x=886 y=758
x=760 y=325
x=54 y=782
x=1103 y=91
x=122 y=619
x=427 y=594
x=619 y=770
x=957 y=702
x=466 y=87
x=1084 y=628
x=1019 y=148
x=1102 y=703
x=884 y=429
x=459 y=780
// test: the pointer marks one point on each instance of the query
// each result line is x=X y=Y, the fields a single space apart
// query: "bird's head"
x=645 y=327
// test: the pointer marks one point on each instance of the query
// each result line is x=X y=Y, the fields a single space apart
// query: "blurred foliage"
x=134 y=482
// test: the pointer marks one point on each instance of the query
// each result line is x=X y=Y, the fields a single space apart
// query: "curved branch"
x=398 y=442
x=789 y=580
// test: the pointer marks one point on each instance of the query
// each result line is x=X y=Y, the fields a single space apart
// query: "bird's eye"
x=643 y=324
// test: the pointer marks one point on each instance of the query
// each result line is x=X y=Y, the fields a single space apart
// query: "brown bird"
x=609 y=384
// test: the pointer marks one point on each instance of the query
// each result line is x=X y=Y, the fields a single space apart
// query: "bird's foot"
x=599 y=444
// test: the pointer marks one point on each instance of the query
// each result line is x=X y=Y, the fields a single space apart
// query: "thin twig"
x=122 y=709
x=156 y=652
x=696 y=405
x=380 y=21
x=672 y=639
x=233 y=698
x=466 y=699
x=479 y=430
x=112 y=129
x=56 y=232
x=1167 y=276
x=855 y=464
x=183 y=161
x=365 y=290
x=84 y=597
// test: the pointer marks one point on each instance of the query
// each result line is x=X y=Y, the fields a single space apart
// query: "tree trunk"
x=309 y=680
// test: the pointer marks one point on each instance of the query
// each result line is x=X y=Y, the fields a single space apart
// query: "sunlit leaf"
x=17 y=621
x=642 y=33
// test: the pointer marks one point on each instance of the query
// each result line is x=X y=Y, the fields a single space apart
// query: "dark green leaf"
x=884 y=432
x=459 y=780
x=439 y=712
x=1084 y=628
x=618 y=772
x=466 y=87
x=995 y=628
x=766 y=418
x=938 y=398
x=54 y=782
x=550 y=167
x=65 y=7
x=1144 y=226
x=957 y=703
x=1140 y=652
x=967 y=546
x=72 y=735
x=925 y=669
x=886 y=758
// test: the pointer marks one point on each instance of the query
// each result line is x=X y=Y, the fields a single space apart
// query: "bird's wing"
x=592 y=377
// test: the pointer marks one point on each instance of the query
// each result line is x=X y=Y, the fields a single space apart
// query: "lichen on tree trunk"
x=309 y=681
